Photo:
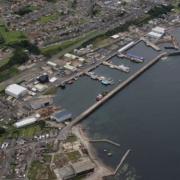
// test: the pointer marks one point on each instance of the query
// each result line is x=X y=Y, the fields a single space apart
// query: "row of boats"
x=104 y=80
x=134 y=58
x=121 y=67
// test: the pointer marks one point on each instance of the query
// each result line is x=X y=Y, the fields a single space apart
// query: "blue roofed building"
x=61 y=116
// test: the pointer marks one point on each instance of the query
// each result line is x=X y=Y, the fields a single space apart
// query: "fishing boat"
x=99 y=97
x=134 y=56
x=171 y=47
x=93 y=76
x=70 y=82
x=109 y=154
x=121 y=55
x=107 y=81
x=124 y=68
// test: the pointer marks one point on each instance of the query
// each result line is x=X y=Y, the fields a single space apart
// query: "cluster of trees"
x=52 y=1
x=24 y=10
x=159 y=10
x=1 y=39
x=21 y=52
x=19 y=57
x=32 y=48
x=2 y=130
x=178 y=5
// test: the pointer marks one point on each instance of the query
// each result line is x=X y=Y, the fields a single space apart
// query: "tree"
x=2 y=130
x=19 y=57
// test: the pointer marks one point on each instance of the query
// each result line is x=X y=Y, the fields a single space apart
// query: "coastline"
x=101 y=169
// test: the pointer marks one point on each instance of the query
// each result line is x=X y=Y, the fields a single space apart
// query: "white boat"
x=124 y=68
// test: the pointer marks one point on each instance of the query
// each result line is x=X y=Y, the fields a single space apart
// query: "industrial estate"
x=59 y=62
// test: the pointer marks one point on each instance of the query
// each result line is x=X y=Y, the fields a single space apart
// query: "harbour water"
x=144 y=117
x=78 y=96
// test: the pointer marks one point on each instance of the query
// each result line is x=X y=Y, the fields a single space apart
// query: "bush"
x=19 y=57
x=2 y=131
x=24 y=10
x=27 y=45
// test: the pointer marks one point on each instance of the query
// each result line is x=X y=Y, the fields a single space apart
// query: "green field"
x=25 y=132
x=4 y=61
x=73 y=156
x=40 y=171
x=72 y=138
x=6 y=74
x=25 y=10
x=11 y=37
x=46 y=19
x=69 y=45
x=177 y=6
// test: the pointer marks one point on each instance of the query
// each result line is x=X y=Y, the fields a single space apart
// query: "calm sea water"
x=144 y=117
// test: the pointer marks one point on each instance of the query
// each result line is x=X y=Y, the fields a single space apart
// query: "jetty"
x=105 y=141
x=148 y=43
x=121 y=162
x=133 y=59
x=113 y=66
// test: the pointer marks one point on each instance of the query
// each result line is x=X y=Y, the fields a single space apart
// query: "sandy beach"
x=101 y=169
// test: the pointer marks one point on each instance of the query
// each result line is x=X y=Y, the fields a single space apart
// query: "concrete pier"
x=148 y=43
x=113 y=66
x=114 y=91
x=121 y=162
x=105 y=141
x=136 y=60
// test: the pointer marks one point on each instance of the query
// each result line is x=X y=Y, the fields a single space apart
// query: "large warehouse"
x=15 y=90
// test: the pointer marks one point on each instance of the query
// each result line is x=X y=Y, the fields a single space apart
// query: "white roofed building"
x=70 y=56
x=25 y=122
x=15 y=90
x=116 y=36
x=159 y=30
x=69 y=67
x=154 y=34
